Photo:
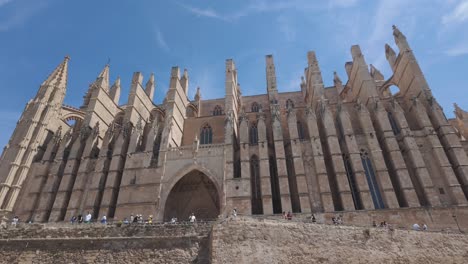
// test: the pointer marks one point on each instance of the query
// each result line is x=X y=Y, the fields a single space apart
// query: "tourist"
x=313 y=219
x=334 y=220
x=192 y=218
x=80 y=219
x=132 y=218
x=88 y=218
x=104 y=219
x=150 y=219
x=284 y=215
x=374 y=224
x=234 y=213
x=424 y=227
x=416 y=227
x=289 y=216
x=339 y=221
x=135 y=219
x=125 y=221
x=15 y=220
x=174 y=220
x=73 y=220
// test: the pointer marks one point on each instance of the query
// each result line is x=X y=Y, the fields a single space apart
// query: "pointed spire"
x=336 y=78
x=400 y=39
x=337 y=82
x=150 y=86
x=103 y=78
x=197 y=94
x=59 y=75
x=115 y=91
x=314 y=78
x=184 y=81
x=57 y=81
x=390 y=55
x=270 y=73
x=459 y=112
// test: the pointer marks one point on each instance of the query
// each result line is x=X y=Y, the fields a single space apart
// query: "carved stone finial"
x=139 y=125
x=229 y=117
x=126 y=129
x=275 y=114
x=96 y=129
x=336 y=78
x=84 y=132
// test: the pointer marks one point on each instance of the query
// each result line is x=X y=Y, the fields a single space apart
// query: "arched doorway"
x=194 y=193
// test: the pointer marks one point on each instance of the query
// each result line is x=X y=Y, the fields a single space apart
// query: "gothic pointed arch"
x=255 y=107
x=256 y=188
x=372 y=180
x=217 y=111
x=206 y=134
x=253 y=134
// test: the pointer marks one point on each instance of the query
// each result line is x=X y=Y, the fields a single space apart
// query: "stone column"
x=114 y=176
x=32 y=188
x=47 y=196
x=69 y=175
x=98 y=177
x=265 y=178
x=375 y=153
x=319 y=177
x=280 y=159
x=355 y=159
x=451 y=143
x=407 y=191
x=427 y=194
x=455 y=191
x=85 y=170
x=299 y=173
x=339 y=171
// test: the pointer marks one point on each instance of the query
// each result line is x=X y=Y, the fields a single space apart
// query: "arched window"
x=372 y=180
x=217 y=111
x=300 y=130
x=289 y=104
x=257 y=207
x=395 y=128
x=255 y=107
x=206 y=135
x=352 y=182
x=253 y=134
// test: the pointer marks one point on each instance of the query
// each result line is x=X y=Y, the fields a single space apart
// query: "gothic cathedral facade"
x=353 y=146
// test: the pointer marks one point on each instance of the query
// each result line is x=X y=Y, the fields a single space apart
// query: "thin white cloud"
x=342 y=3
x=203 y=12
x=161 y=41
x=286 y=28
x=4 y=2
x=461 y=49
x=21 y=14
x=458 y=15
x=265 y=6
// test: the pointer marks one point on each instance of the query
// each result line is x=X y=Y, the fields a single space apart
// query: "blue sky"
x=152 y=36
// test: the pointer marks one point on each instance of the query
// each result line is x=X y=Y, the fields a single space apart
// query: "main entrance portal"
x=194 y=193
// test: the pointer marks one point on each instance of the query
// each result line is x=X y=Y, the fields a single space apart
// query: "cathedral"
x=369 y=144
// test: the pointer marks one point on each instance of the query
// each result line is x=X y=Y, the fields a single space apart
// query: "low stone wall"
x=267 y=241
x=94 y=243
x=449 y=219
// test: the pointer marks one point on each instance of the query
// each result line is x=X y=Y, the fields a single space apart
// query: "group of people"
x=417 y=227
x=134 y=219
x=383 y=224
x=79 y=219
x=287 y=215
x=337 y=220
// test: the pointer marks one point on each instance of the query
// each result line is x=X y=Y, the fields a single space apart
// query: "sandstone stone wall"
x=249 y=241
x=105 y=244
